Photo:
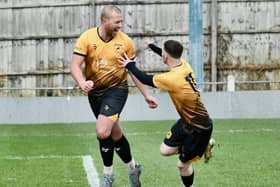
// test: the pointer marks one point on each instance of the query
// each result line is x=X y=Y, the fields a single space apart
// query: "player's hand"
x=125 y=60
x=152 y=102
x=86 y=86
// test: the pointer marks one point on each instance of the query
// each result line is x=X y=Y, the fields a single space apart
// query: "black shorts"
x=110 y=103
x=192 y=142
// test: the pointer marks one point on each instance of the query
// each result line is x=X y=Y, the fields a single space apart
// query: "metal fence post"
x=196 y=40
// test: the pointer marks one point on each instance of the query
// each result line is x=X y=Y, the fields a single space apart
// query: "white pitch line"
x=92 y=175
x=38 y=157
x=91 y=172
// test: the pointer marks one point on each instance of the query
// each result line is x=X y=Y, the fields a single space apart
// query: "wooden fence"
x=37 y=39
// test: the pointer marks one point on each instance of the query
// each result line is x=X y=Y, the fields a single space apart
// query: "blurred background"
x=232 y=45
x=241 y=41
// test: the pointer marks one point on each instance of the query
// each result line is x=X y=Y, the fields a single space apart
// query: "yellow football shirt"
x=101 y=58
x=184 y=94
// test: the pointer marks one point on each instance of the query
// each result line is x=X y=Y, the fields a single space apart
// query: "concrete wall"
x=29 y=110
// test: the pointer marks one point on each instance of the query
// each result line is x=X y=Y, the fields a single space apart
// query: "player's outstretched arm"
x=152 y=102
x=141 y=76
x=153 y=47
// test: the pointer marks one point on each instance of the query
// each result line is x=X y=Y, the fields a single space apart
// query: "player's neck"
x=105 y=36
x=174 y=63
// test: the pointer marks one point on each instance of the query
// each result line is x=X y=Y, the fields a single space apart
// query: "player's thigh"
x=113 y=102
x=166 y=150
x=173 y=140
x=107 y=108
x=195 y=144
x=110 y=103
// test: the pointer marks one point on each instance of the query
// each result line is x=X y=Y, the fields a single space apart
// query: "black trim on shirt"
x=102 y=38
x=141 y=76
x=80 y=54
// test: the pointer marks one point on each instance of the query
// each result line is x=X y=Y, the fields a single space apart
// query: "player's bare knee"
x=102 y=133
x=185 y=168
x=103 y=127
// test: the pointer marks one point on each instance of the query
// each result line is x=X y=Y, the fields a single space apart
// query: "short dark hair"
x=173 y=48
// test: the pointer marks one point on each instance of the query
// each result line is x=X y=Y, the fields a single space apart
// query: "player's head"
x=172 y=50
x=111 y=19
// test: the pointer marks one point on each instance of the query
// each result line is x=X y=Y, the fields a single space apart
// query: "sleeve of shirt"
x=81 y=45
x=130 y=49
x=155 y=49
x=141 y=76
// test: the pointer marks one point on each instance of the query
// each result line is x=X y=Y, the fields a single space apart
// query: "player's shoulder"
x=89 y=32
x=186 y=64
x=124 y=36
x=183 y=61
x=187 y=67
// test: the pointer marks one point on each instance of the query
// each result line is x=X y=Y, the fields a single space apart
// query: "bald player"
x=105 y=81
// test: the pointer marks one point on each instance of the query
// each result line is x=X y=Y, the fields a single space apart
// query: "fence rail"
x=240 y=82
x=204 y=83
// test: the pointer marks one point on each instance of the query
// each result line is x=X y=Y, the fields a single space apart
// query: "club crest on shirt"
x=118 y=47
x=168 y=135
x=106 y=107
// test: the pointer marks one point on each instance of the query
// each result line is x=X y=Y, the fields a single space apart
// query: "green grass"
x=246 y=154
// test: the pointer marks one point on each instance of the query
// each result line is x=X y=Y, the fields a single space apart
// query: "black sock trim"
x=187 y=180
x=123 y=149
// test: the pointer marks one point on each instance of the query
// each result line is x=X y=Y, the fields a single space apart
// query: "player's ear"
x=104 y=20
x=164 y=56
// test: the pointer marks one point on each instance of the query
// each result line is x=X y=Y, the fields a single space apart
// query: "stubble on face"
x=115 y=23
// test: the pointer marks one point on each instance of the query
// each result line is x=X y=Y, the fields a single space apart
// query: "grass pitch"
x=246 y=154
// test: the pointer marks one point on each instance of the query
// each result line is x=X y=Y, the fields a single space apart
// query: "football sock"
x=188 y=180
x=108 y=170
x=123 y=149
x=130 y=166
x=106 y=147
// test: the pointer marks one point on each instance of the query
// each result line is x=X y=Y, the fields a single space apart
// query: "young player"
x=190 y=135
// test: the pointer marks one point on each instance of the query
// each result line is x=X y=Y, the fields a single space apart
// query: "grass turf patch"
x=246 y=154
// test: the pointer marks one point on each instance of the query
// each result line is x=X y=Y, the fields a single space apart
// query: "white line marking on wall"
x=91 y=172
